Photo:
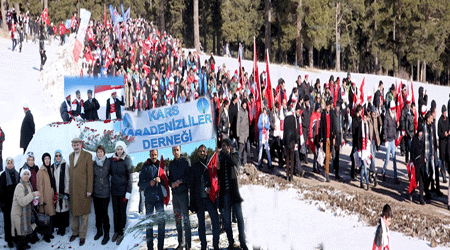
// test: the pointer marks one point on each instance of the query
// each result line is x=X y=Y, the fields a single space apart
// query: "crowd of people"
x=288 y=127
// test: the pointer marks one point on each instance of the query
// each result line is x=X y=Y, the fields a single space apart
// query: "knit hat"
x=409 y=99
x=23 y=171
x=89 y=91
x=392 y=105
x=444 y=109
x=420 y=127
x=317 y=107
x=424 y=110
x=121 y=144
x=67 y=97
x=113 y=93
x=30 y=154
x=25 y=106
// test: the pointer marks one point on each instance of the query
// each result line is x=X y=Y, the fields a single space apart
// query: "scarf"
x=25 y=220
x=112 y=110
x=117 y=158
x=100 y=162
x=62 y=180
x=9 y=181
x=264 y=130
x=385 y=235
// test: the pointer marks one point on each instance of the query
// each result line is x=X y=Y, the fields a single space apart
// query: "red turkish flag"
x=361 y=89
x=162 y=175
x=45 y=16
x=268 y=90
x=212 y=168
x=257 y=94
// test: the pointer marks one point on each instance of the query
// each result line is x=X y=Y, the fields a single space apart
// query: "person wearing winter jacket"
x=121 y=187
x=41 y=48
x=242 y=132
x=28 y=128
x=382 y=239
x=91 y=106
x=2 y=139
x=150 y=182
x=178 y=177
x=46 y=185
x=66 y=110
x=8 y=182
x=407 y=120
x=200 y=200
x=229 y=196
x=390 y=132
x=61 y=175
x=338 y=130
x=101 y=194
x=113 y=109
x=290 y=142
x=418 y=158
x=444 y=133
x=327 y=137
x=423 y=99
x=264 y=127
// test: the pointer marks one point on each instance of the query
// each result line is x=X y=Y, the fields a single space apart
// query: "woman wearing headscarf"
x=121 y=185
x=45 y=183
x=101 y=193
x=61 y=175
x=8 y=182
x=21 y=213
x=32 y=167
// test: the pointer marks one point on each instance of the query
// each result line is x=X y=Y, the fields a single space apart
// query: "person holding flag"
x=202 y=196
x=229 y=196
x=156 y=194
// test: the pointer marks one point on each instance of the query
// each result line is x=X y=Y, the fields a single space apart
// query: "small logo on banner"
x=203 y=106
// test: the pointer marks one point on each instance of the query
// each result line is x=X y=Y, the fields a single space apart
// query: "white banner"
x=168 y=126
x=85 y=16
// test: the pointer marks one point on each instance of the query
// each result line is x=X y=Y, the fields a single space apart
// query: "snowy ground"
x=274 y=219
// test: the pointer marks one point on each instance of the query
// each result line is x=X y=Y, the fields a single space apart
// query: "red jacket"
x=62 y=29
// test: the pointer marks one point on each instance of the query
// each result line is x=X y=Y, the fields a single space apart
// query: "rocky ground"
x=428 y=222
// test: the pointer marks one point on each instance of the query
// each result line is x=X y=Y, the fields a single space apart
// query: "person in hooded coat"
x=28 y=128
x=46 y=185
x=8 y=182
x=61 y=175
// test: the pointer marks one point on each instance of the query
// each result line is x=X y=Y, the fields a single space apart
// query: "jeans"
x=390 y=150
x=372 y=163
x=141 y=201
x=226 y=214
x=316 y=154
x=364 y=173
x=181 y=211
x=14 y=43
x=150 y=208
x=264 y=146
x=206 y=204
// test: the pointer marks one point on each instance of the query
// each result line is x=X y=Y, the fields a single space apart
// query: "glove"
x=127 y=196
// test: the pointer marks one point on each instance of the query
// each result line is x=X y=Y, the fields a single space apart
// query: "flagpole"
x=271 y=92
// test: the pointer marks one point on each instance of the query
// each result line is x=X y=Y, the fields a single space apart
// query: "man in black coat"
x=150 y=182
x=110 y=110
x=444 y=133
x=306 y=119
x=229 y=196
x=233 y=114
x=2 y=139
x=356 y=121
x=418 y=158
x=90 y=107
x=200 y=200
x=290 y=142
x=338 y=130
x=326 y=136
x=179 y=170
x=28 y=128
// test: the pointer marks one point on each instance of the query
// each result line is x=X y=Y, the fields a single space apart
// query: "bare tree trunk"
x=268 y=20
x=338 y=37
x=162 y=22
x=196 y=27
x=311 y=56
x=424 y=71
x=4 y=3
x=298 y=40
x=418 y=71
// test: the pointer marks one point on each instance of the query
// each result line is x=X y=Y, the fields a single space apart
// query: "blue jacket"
x=261 y=125
x=149 y=172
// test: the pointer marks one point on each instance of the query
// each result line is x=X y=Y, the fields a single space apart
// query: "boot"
x=327 y=178
x=105 y=239
x=98 y=235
